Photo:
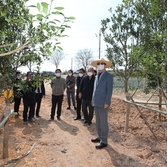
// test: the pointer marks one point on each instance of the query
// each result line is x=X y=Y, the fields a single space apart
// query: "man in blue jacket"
x=101 y=99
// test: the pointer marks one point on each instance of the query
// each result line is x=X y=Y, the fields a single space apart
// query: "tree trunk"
x=126 y=86
x=160 y=96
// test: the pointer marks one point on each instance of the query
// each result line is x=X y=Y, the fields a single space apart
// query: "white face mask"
x=89 y=73
x=58 y=74
x=69 y=74
x=100 y=67
x=80 y=75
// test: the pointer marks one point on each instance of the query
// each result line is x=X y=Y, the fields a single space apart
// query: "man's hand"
x=106 y=105
x=80 y=95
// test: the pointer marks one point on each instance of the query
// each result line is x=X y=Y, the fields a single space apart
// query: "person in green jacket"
x=58 y=86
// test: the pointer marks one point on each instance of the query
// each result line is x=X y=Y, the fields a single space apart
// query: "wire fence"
x=133 y=83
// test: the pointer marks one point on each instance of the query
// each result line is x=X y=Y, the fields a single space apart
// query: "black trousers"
x=56 y=101
x=38 y=99
x=79 y=104
x=29 y=106
x=17 y=101
x=88 y=110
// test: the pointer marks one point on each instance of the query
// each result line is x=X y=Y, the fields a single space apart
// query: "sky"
x=84 y=32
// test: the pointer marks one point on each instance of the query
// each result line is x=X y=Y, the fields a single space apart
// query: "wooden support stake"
x=143 y=117
x=5 y=141
x=127 y=117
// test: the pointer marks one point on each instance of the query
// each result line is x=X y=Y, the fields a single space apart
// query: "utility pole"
x=99 y=42
x=71 y=63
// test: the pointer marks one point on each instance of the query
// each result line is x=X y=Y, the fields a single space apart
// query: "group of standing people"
x=93 y=93
x=31 y=91
x=59 y=85
x=85 y=93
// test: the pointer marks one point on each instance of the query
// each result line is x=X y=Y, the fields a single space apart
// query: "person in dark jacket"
x=85 y=92
x=39 y=93
x=28 y=98
x=17 y=93
x=70 y=82
x=79 y=100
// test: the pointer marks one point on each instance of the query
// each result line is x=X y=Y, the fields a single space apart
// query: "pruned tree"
x=57 y=57
x=120 y=33
x=84 y=58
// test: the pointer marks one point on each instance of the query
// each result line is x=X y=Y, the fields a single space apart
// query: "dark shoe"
x=31 y=120
x=51 y=119
x=100 y=146
x=89 y=124
x=59 y=118
x=68 y=108
x=38 y=116
x=85 y=123
x=75 y=108
x=82 y=119
x=77 y=118
x=17 y=114
x=25 y=122
x=96 y=140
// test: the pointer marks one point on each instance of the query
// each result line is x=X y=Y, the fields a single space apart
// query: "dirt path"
x=67 y=143
x=57 y=143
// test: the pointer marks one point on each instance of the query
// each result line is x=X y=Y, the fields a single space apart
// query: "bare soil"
x=67 y=143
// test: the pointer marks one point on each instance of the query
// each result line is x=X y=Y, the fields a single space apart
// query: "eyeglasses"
x=101 y=63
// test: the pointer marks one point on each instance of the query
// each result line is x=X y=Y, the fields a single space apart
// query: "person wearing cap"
x=79 y=100
x=101 y=100
x=28 y=98
x=17 y=93
x=58 y=86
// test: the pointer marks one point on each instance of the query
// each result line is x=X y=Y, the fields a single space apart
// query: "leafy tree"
x=57 y=57
x=136 y=39
x=153 y=37
x=26 y=38
x=121 y=34
x=84 y=58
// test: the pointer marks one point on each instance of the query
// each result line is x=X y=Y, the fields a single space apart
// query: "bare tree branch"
x=16 y=50
x=84 y=58
x=57 y=57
